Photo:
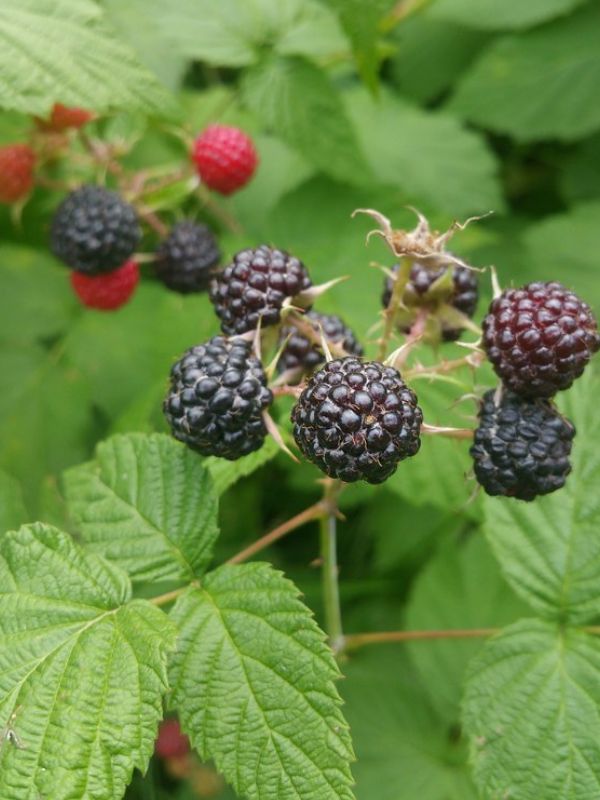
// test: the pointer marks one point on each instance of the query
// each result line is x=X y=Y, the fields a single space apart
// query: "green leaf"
x=60 y=50
x=460 y=588
x=531 y=706
x=148 y=504
x=360 y=21
x=549 y=550
x=405 y=751
x=82 y=670
x=295 y=100
x=415 y=72
x=564 y=246
x=12 y=508
x=580 y=173
x=253 y=682
x=492 y=15
x=541 y=84
x=428 y=154
x=225 y=473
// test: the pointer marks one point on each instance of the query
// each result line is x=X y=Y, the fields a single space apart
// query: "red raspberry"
x=62 y=118
x=225 y=158
x=171 y=741
x=16 y=172
x=539 y=338
x=109 y=290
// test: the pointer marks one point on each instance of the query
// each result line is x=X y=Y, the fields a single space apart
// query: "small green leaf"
x=295 y=99
x=82 y=670
x=549 y=549
x=225 y=473
x=60 y=50
x=531 y=708
x=253 y=682
x=492 y=15
x=539 y=85
x=148 y=504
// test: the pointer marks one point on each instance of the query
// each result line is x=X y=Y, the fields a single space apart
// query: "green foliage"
x=532 y=698
x=488 y=14
x=66 y=618
x=253 y=682
x=148 y=504
x=63 y=51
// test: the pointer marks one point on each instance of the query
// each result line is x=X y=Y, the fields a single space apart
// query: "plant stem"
x=354 y=641
x=391 y=311
x=449 y=433
x=329 y=566
x=309 y=514
x=168 y=597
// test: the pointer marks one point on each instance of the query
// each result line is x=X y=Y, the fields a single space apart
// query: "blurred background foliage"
x=456 y=107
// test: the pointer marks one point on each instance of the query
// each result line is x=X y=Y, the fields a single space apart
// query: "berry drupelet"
x=539 y=338
x=357 y=420
x=94 y=230
x=217 y=395
x=462 y=295
x=225 y=158
x=254 y=286
x=187 y=258
x=302 y=354
x=521 y=447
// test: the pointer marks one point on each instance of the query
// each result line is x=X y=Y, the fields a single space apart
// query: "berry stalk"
x=393 y=307
x=329 y=567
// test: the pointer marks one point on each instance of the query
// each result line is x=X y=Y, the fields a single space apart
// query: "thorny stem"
x=306 y=329
x=291 y=391
x=153 y=221
x=101 y=154
x=393 y=307
x=473 y=360
x=329 y=567
x=449 y=433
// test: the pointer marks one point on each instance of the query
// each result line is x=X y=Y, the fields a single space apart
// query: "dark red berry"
x=64 y=117
x=539 y=338
x=217 y=396
x=521 y=447
x=109 y=290
x=302 y=354
x=357 y=420
x=171 y=741
x=94 y=230
x=462 y=295
x=225 y=158
x=254 y=286
x=187 y=258
x=16 y=172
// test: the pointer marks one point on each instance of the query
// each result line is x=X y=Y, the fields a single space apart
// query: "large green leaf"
x=541 y=84
x=580 y=172
x=148 y=504
x=405 y=751
x=532 y=710
x=430 y=156
x=297 y=101
x=549 y=550
x=60 y=50
x=253 y=682
x=460 y=588
x=490 y=14
x=82 y=671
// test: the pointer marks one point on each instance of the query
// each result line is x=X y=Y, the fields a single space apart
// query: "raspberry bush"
x=290 y=404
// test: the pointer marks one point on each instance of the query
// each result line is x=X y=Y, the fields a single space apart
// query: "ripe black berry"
x=462 y=296
x=217 y=395
x=521 y=447
x=356 y=420
x=254 y=286
x=94 y=230
x=185 y=260
x=300 y=353
x=539 y=338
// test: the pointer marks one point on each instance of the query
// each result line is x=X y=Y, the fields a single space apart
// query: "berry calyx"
x=225 y=158
x=539 y=338
x=107 y=291
x=302 y=354
x=64 y=117
x=217 y=397
x=254 y=286
x=171 y=741
x=357 y=420
x=187 y=258
x=423 y=290
x=17 y=162
x=521 y=447
x=94 y=230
